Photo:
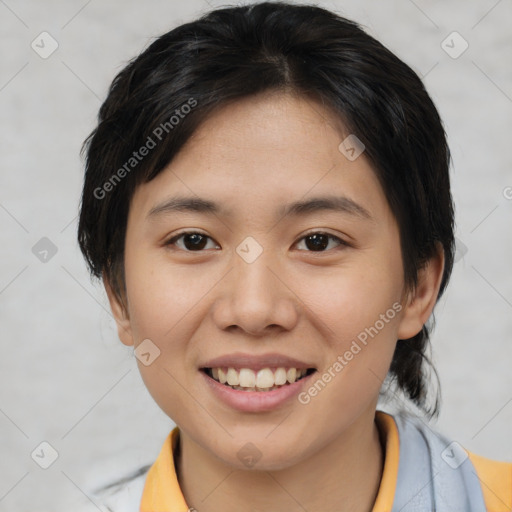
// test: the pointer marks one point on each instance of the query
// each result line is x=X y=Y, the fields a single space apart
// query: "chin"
x=258 y=456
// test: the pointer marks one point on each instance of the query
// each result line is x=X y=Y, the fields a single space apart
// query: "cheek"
x=343 y=302
x=162 y=303
x=160 y=296
x=357 y=310
x=361 y=337
x=168 y=303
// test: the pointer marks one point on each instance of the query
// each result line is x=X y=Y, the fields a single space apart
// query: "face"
x=231 y=275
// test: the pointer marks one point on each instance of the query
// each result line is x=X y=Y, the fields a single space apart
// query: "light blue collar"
x=434 y=474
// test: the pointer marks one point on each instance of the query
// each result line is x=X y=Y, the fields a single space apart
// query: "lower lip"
x=255 y=401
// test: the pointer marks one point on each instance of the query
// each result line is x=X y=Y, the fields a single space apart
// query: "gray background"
x=65 y=377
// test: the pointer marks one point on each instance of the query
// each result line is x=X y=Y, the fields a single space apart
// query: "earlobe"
x=420 y=303
x=120 y=313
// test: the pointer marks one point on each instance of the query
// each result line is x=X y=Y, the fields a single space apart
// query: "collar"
x=162 y=491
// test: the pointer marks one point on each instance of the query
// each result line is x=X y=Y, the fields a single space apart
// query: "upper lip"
x=255 y=362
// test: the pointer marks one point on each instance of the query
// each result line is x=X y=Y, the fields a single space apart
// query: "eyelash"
x=342 y=243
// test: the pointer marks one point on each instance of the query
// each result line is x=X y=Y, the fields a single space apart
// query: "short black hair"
x=229 y=53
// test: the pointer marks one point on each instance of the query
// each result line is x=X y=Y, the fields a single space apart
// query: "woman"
x=267 y=202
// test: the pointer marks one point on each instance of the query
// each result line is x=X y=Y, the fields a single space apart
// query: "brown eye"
x=318 y=242
x=192 y=241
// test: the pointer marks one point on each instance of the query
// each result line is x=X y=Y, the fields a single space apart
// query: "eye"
x=192 y=241
x=318 y=241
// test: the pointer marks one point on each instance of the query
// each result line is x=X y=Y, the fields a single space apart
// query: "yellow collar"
x=162 y=490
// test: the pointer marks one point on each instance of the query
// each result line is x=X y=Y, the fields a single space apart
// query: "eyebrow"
x=298 y=208
x=333 y=203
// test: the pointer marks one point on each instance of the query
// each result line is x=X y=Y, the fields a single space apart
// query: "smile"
x=266 y=379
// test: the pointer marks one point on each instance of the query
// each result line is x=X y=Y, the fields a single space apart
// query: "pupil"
x=319 y=241
x=198 y=241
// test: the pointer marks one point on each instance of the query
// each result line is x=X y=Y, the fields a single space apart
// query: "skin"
x=253 y=156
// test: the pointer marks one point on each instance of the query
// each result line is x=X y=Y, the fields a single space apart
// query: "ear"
x=420 y=303
x=120 y=313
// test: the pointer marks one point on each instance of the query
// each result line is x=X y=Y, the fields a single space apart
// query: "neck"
x=345 y=472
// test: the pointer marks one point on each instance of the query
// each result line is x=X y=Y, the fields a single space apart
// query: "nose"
x=256 y=298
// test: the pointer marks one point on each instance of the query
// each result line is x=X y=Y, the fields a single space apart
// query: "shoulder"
x=496 y=481
x=457 y=467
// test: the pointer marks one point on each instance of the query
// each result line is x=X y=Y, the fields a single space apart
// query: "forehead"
x=260 y=153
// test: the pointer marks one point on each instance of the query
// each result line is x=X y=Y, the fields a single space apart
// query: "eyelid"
x=318 y=231
x=342 y=241
x=188 y=231
x=176 y=236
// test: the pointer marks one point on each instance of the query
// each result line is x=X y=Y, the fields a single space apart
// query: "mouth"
x=263 y=380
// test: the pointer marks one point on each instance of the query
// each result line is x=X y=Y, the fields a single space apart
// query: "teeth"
x=263 y=380
x=232 y=377
x=280 y=376
x=248 y=379
x=240 y=388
